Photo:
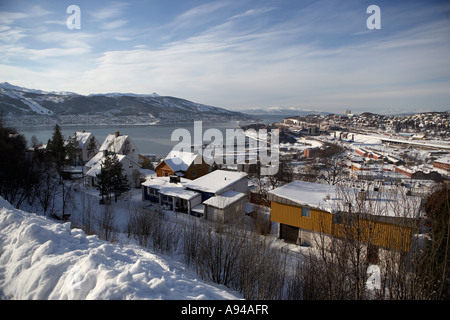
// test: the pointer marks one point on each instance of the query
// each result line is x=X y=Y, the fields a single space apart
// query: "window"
x=343 y=218
x=306 y=212
x=338 y=218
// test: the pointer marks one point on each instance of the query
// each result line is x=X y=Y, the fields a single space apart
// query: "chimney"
x=117 y=134
x=174 y=179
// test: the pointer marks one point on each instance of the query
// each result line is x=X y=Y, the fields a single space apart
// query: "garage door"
x=288 y=233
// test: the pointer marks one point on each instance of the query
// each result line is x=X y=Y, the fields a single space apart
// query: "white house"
x=94 y=167
x=82 y=143
x=120 y=144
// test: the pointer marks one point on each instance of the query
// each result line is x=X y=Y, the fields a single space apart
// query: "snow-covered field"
x=44 y=259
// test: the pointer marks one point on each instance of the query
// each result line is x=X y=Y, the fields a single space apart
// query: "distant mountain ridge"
x=283 y=111
x=23 y=107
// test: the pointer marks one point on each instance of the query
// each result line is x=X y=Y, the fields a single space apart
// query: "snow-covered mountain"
x=41 y=259
x=22 y=106
x=283 y=111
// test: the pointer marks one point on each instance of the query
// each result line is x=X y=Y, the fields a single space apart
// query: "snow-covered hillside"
x=23 y=106
x=42 y=259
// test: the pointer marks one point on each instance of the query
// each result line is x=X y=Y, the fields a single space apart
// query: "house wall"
x=197 y=170
x=441 y=165
x=163 y=170
x=380 y=233
x=128 y=168
x=196 y=201
x=406 y=173
x=130 y=149
x=233 y=211
x=150 y=194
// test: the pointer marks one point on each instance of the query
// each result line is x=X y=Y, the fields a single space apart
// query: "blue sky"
x=316 y=54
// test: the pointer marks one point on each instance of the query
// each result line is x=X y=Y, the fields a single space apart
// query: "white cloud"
x=11 y=34
x=239 y=59
x=223 y=67
x=10 y=17
x=252 y=12
x=114 y=24
x=112 y=10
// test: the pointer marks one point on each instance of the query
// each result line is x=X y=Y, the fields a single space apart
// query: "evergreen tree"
x=56 y=146
x=17 y=177
x=91 y=147
x=72 y=151
x=111 y=178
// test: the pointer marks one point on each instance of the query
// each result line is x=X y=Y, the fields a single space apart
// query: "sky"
x=309 y=54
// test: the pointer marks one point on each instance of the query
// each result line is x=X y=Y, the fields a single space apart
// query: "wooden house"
x=307 y=210
x=184 y=164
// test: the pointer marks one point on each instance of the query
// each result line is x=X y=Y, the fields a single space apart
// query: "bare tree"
x=87 y=219
x=47 y=188
x=151 y=230
x=107 y=228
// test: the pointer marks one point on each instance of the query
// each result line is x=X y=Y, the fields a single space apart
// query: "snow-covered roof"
x=177 y=192
x=95 y=160
x=180 y=160
x=113 y=143
x=331 y=199
x=157 y=182
x=173 y=189
x=307 y=194
x=225 y=199
x=216 y=181
x=82 y=138
x=444 y=160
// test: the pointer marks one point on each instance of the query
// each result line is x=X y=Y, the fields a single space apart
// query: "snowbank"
x=42 y=259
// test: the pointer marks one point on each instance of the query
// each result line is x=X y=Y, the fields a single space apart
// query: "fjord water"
x=150 y=139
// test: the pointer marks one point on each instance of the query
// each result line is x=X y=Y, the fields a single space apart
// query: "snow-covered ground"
x=44 y=259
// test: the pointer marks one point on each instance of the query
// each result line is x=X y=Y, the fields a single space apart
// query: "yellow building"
x=306 y=210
